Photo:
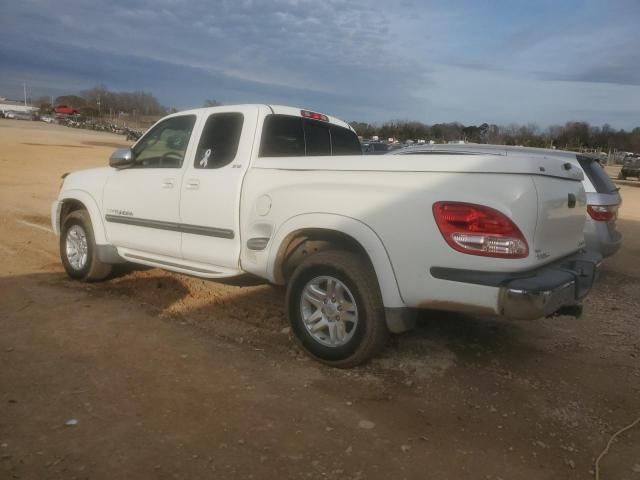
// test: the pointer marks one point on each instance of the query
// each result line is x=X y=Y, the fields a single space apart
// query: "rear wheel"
x=78 y=249
x=335 y=309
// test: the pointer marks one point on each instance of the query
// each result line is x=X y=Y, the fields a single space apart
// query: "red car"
x=66 y=110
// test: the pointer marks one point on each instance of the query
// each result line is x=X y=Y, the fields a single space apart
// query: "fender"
x=356 y=229
x=94 y=212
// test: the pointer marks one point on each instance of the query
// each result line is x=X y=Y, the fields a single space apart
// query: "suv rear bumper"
x=602 y=237
x=535 y=293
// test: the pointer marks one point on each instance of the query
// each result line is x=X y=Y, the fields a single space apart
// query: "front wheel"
x=335 y=309
x=78 y=249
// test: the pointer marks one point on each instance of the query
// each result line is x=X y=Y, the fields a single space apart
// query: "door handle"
x=193 y=184
x=167 y=183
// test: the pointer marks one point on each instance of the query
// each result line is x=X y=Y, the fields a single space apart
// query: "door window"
x=166 y=144
x=219 y=141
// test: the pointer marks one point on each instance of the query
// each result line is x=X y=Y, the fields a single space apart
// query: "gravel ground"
x=158 y=375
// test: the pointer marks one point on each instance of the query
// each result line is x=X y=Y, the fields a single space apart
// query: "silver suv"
x=603 y=199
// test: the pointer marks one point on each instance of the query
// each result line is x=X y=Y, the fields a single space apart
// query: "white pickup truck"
x=360 y=241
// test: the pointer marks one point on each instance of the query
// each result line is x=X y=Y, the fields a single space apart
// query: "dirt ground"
x=171 y=377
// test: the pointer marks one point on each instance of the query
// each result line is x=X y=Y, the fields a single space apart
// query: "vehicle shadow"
x=472 y=339
x=249 y=310
x=243 y=307
x=247 y=306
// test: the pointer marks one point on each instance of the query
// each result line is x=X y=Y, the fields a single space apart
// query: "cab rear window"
x=291 y=136
x=599 y=178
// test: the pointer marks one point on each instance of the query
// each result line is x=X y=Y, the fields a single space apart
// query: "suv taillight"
x=603 y=213
x=479 y=230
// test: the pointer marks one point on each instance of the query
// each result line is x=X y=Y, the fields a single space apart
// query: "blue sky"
x=473 y=61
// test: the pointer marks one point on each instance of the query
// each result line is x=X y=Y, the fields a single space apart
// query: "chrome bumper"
x=543 y=292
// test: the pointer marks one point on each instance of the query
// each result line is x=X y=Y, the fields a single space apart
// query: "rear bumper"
x=544 y=292
x=602 y=237
x=536 y=293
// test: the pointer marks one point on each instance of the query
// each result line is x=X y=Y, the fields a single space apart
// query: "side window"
x=317 y=138
x=282 y=136
x=344 y=142
x=219 y=141
x=165 y=145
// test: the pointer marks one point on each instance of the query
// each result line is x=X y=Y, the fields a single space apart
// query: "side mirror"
x=121 y=158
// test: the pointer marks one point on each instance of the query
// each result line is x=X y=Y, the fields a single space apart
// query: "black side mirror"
x=122 y=158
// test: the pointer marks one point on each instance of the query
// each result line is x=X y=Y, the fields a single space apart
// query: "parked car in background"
x=23 y=116
x=47 y=119
x=18 y=115
x=630 y=167
x=603 y=198
x=374 y=148
x=66 y=110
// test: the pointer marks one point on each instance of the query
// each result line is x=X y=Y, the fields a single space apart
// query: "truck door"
x=142 y=203
x=211 y=187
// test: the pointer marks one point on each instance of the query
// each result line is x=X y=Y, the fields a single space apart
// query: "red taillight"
x=603 y=213
x=479 y=230
x=314 y=115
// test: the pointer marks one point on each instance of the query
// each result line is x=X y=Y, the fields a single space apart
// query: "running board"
x=199 y=271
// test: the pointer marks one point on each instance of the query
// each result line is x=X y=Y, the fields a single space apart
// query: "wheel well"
x=70 y=205
x=302 y=243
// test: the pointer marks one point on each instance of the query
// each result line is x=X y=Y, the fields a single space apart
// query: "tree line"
x=100 y=101
x=571 y=135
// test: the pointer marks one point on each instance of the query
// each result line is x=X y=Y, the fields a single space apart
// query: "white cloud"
x=430 y=60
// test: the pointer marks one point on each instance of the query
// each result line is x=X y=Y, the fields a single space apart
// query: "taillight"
x=314 y=115
x=603 y=213
x=479 y=230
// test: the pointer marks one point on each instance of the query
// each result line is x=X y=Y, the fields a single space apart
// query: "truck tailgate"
x=561 y=218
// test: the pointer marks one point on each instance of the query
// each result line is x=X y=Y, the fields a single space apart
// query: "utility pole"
x=25 y=92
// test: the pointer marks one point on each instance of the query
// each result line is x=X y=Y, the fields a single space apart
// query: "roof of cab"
x=276 y=109
x=295 y=111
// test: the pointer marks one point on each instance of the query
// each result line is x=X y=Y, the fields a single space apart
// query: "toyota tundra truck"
x=361 y=242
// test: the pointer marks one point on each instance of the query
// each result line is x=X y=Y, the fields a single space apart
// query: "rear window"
x=282 y=136
x=344 y=142
x=290 y=136
x=599 y=178
x=317 y=138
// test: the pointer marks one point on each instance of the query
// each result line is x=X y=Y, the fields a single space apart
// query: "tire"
x=87 y=267
x=361 y=340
